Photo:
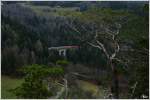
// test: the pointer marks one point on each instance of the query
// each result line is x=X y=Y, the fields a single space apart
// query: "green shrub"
x=62 y=63
x=33 y=86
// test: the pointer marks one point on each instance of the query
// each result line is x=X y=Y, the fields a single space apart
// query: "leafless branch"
x=63 y=89
x=59 y=93
x=66 y=87
x=117 y=59
x=81 y=75
x=96 y=46
x=134 y=87
x=116 y=51
x=103 y=48
x=60 y=84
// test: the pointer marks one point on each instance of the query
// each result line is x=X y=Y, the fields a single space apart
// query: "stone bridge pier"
x=62 y=52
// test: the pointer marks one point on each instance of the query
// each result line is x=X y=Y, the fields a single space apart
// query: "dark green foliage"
x=139 y=74
x=33 y=85
x=143 y=82
x=10 y=54
x=139 y=61
x=19 y=41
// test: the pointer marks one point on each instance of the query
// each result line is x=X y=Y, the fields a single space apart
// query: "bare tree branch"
x=81 y=75
x=134 y=87
x=96 y=46
x=60 y=84
x=115 y=52
x=59 y=93
x=111 y=32
x=103 y=48
x=66 y=87
x=63 y=89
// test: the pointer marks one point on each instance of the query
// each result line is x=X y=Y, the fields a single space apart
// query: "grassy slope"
x=8 y=83
x=49 y=11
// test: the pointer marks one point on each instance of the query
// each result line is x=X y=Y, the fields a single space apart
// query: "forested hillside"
x=111 y=61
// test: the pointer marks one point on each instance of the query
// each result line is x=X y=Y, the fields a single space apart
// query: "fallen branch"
x=63 y=89
x=66 y=87
x=60 y=93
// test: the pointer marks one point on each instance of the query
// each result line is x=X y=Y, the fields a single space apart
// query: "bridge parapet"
x=62 y=49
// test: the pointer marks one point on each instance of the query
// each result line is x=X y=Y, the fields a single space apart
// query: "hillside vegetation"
x=111 y=61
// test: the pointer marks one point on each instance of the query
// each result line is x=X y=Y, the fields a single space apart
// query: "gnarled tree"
x=102 y=36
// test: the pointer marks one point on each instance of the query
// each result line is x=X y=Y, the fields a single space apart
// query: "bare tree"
x=103 y=37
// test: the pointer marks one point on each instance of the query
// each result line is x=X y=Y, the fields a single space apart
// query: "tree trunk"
x=115 y=82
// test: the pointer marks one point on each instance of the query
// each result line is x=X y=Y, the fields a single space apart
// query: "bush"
x=34 y=86
x=62 y=63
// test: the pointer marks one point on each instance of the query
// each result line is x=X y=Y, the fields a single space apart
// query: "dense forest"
x=111 y=61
